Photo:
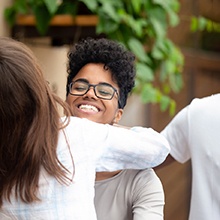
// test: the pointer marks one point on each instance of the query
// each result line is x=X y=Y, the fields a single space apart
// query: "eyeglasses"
x=101 y=90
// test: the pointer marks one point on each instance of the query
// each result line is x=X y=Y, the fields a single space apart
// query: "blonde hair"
x=29 y=123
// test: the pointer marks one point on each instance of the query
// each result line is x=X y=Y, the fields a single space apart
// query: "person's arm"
x=135 y=148
x=177 y=134
x=118 y=148
x=148 y=197
x=169 y=160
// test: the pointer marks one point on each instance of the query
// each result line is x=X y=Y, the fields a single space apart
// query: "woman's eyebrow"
x=105 y=83
x=82 y=80
x=86 y=81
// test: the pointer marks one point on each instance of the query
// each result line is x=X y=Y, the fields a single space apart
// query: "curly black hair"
x=112 y=54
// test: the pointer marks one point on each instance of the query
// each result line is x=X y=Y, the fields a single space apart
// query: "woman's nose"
x=91 y=93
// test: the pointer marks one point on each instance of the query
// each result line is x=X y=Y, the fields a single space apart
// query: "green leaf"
x=209 y=26
x=52 y=6
x=168 y=5
x=109 y=10
x=91 y=4
x=11 y=12
x=42 y=19
x=106 y=25
x=148 y=94
x=137 y=48
x=176 y=82
x=216 y=27
x=175 y=5
x=164 y=102
x=173 y=19
x=159 y=29
x=137 y=27
x=171 y=7
x=166 y=88
x=158 y=19
x=162 y=3
x=202 y=22
x=10 y=16
x=172 y=108
x=67 y=8
x=144 y=72
x=136 y=4
x=194 y=24
x=170 y=66
x=158 y=50
x=21 y=6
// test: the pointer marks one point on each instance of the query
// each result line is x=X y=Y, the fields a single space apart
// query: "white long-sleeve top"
x=94 y=147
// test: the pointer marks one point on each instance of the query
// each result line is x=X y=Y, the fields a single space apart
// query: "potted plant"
x=141 y=25
x=44 y=13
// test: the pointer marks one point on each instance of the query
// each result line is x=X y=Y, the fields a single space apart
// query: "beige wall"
x=135 y=113
x=4 y=29
x=53 y=61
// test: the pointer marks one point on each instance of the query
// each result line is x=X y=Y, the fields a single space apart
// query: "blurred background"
x=198 y=42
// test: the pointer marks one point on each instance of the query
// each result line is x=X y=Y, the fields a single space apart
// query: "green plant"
x=141 y=25
x=201 y=23
x=43 y=10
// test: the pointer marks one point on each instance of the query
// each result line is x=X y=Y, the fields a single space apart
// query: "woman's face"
x=89 y=105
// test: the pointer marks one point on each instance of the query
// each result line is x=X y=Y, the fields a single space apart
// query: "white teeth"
x=88 y=108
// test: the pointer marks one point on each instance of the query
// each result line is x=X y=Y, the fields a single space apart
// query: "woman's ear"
x=118 y=116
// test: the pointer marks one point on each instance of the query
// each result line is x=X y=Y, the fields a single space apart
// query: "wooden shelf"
x=63 y=29
x=60 y=20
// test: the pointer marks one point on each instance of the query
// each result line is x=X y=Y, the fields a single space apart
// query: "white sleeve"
x=137 y=148
x=176 y=132
x=118 y=148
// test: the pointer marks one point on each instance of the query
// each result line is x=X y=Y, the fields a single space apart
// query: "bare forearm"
x=169 y=160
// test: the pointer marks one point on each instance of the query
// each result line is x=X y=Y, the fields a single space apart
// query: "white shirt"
x=93 y=146
x=195 y=134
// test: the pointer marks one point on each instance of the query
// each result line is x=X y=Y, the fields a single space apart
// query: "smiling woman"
x=90 y=101
x=101 y=76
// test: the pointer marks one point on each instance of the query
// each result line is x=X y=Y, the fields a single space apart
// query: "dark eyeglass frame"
x=94 y=89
